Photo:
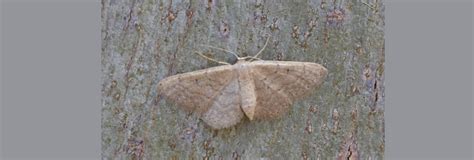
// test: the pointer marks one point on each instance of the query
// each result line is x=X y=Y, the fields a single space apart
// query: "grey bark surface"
x=144 y=41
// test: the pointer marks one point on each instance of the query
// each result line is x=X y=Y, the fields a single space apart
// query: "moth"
x=256 y=88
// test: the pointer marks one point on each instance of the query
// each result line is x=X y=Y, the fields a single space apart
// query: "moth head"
x=255 y=57
x=236 y=58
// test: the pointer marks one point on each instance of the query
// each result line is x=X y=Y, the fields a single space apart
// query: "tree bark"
x=144 y=41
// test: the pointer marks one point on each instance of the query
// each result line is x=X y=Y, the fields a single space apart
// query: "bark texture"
x=144 y=41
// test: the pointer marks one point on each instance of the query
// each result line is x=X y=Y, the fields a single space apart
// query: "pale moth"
x=256 y=88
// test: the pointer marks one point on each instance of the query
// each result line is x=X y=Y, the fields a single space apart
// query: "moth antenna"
x=222 y=49
x=208 y=58
x=264 y=46
x=250 y=58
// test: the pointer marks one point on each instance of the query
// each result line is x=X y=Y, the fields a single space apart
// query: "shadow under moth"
x=256 y=88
